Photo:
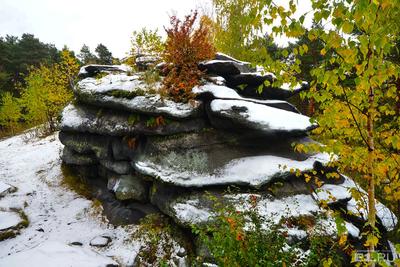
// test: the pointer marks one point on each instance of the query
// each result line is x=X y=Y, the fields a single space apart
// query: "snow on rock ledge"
x=228 y=114
x=94 y=69
x=248 y=171
x=129 y=93
x=81 y=119
x=224 y=92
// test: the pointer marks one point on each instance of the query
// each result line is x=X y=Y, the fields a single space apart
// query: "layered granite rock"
x=145 y=153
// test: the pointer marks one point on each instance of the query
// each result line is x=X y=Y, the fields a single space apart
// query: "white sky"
x=77 y=22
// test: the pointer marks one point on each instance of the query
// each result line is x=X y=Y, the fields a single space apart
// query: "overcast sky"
x=77 y=22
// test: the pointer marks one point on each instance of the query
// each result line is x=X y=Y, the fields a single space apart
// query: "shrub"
x=241 y=239
x=10 y=112
x=246 y=238
x=48 y=90
x=186 y=45
x=147 y=42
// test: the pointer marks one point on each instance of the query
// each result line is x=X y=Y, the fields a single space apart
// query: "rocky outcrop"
x=150 y=154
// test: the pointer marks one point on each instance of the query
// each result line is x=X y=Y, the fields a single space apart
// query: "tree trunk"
x=370 y=165
x=398 y=97
x=311 y=106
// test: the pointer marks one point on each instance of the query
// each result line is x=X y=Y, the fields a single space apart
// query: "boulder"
x=130 y=93
x=239 y=115
x=128 y=187
x=11 y=222
x=215 y=158
x=125 y=148
x=225 y=57
x=212 y=91
x=144 y=62
x=94 y=69
x=120 y=167
x=268 y=92
x=82 y=143
x=70 y=157
x=254 y=79
x=77 y=118
x=224 y=67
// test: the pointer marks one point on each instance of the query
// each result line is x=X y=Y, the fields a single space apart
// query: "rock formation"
x=145 y=153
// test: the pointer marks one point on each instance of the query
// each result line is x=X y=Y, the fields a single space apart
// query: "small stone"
x=181 y=252
x=76 y=244
x=100 y=241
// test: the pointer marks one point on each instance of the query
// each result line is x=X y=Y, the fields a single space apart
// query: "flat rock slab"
x=130 y=93
x=213 y=158
x=9 y=220
x=6 y=189
x=224 y=67
x=82 y=143
x=249 y=171
x=94 y=69
x=269 y=92
x=212 y=91
x=251 y=78
x=52 y=253
x=244 y=115
x=83 y=119
x=70 y=157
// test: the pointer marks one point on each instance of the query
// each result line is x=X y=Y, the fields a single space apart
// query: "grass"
x=75 y=183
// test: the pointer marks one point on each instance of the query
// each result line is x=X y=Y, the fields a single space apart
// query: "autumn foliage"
x=187 y=44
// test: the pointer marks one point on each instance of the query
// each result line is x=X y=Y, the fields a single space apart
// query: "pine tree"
x=104 y=56
x=86 y=56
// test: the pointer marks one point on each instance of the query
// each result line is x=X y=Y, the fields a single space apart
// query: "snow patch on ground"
x=57 y=216
x=53 y=253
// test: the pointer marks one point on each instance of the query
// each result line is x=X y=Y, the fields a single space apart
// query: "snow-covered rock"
x=100 y=241
x=9 y=220
x=6 y=189
x=132 y=94
x=254 y=171
x=88 y=120
x=213 y=157
x=128 y=187
x=271 y=92
x=93 y=69
x=244 y=115
x=224 y=67
x=250 y=78
x=223 y=92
